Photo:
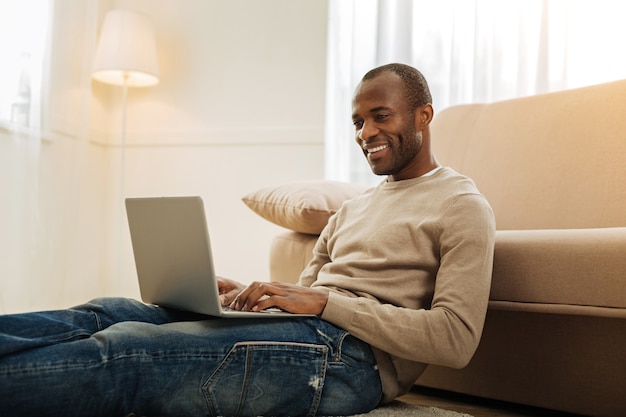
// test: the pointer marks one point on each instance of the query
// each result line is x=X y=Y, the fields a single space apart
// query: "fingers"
x=257 y=296
x=226 y=299
x=289 y=297
x=228 y=290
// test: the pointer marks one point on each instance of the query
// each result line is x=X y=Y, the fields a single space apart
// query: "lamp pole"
x=126 y=57
x=122 y=195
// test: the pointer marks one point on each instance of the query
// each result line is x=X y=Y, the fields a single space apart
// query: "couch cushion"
x=302 y=206
x=579 y=271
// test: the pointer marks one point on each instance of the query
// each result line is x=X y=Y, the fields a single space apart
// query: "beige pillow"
x=303 y=206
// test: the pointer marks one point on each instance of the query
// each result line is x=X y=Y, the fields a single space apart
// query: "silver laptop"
x=173 y=257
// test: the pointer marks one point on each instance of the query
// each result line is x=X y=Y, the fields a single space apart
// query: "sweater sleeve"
x=320 y=256
x=448 y=333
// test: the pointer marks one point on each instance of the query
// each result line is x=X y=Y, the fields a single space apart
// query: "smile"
x=377 y=149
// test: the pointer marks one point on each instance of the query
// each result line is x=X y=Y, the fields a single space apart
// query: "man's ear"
x=423 y=116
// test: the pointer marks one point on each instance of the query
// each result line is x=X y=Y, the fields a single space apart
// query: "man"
x=399 y=279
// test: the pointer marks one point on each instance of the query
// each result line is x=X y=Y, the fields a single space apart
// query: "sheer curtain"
x=23 y=48
x=45 y=95
x=23 y=36
x=469 y=50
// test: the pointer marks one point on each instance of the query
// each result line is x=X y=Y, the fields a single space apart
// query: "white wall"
x=240 y=105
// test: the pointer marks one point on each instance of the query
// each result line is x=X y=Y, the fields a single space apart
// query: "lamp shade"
x=126 y=51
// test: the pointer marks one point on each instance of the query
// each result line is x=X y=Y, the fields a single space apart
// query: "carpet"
x=401 y=409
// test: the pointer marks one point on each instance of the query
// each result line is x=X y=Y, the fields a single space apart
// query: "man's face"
x=385 y=126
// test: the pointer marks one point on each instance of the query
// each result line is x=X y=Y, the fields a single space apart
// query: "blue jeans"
x=112 y=357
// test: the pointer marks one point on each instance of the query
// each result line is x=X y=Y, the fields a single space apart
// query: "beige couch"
x=553 y=167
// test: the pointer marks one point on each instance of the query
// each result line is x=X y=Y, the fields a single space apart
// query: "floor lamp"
x=126 y=57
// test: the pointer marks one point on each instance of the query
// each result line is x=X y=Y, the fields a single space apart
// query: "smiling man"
x=399 y=279
x=391 y=120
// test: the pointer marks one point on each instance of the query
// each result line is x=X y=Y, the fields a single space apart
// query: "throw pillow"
x=303 y=206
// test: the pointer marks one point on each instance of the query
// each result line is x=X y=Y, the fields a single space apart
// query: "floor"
x=477 y=407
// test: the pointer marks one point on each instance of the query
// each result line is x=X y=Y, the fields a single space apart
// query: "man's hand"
x=289 y=297
x=228 y=289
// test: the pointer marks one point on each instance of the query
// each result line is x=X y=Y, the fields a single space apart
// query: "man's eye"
x=358 y=124
x=381 y=116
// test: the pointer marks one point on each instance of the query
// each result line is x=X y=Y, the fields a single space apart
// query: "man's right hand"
x=228 y=290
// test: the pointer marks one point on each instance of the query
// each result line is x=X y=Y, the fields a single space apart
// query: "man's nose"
x=368 y=131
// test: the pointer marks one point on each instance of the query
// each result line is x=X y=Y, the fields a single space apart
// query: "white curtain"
x=23 y=47
x=42 y=162
x=469 y=51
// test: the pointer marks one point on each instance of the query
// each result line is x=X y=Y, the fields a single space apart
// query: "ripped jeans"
x=115 y=357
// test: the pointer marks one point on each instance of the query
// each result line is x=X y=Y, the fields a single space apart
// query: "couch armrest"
x=290 y=252
x=570 y=271
x=574 y=271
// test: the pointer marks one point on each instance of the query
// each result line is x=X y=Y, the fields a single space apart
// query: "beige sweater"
x=408 y=267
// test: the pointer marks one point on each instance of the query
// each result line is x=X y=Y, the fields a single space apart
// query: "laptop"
x=173 y=257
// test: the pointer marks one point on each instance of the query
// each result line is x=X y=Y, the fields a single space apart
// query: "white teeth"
x=376 y=149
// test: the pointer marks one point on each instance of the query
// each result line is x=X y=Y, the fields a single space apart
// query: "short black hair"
x=415 y=85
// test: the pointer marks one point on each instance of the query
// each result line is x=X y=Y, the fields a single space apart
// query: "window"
x=23 y=37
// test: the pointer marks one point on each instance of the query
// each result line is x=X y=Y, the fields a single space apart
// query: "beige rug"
x=401 y=409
